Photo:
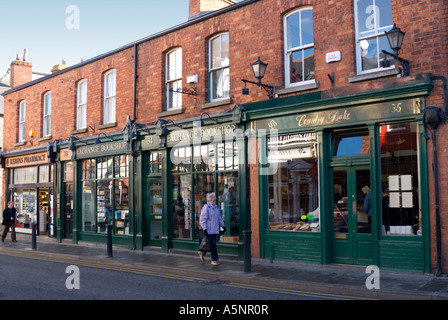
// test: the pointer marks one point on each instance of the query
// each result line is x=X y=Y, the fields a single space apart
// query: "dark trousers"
x=13 y=231
x=212 y=246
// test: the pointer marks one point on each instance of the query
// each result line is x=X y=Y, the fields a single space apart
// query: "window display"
x=401 y=214
x=293 y=202
x=105 y=196
x=198 y=171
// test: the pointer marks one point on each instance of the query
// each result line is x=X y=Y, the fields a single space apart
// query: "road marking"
x=106 y=266
x=297 y=292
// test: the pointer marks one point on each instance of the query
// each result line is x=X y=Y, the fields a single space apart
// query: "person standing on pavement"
x=9 y=221
x=211 y=222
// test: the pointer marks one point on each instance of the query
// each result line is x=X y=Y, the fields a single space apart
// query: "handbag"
x=203 y=245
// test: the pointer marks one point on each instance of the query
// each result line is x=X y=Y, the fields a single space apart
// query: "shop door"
x=68 y=210
x=154 y=210
x=352 y=240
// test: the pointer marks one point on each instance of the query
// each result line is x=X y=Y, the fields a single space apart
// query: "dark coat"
x=9 y=213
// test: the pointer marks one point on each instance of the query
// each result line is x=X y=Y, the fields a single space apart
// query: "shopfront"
x=344 y=180
x=30 y=181
x=179 y=169
x=95 y=192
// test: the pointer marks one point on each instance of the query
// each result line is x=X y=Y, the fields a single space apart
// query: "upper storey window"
x=109 y=96
x=81 y=109
x=219 y=67
x=299 y=47
x=372 y=19
x=47 y=115
x=174 y=79
x=22 y=118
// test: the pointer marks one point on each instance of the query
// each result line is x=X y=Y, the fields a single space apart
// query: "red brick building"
x=292 y=169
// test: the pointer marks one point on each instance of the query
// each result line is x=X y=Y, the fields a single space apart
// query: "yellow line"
x=281 y=290
x=108 y=267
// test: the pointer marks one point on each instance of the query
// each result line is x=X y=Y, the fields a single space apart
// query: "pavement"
x=336 y=281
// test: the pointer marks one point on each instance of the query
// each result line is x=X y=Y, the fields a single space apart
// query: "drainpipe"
x=134 y=160
x=135 y=80
x=434 y=115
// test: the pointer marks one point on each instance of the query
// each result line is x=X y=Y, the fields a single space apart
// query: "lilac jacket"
x=211 y=219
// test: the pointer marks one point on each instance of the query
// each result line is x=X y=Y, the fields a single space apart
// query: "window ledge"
x=374 y=75
x=299 y=88
x=171 y=112
x=78 y=131
x=18 y=144
x=107 y=125
x=216 y=103
x=44 y=138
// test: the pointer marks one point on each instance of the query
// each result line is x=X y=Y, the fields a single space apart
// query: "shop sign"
x=27 y=160
x=100 y=149
x=65 y=154
x=183 y=135
x=150 y=142
x=342 y=116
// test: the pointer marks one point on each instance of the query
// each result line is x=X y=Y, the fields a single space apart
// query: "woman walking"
x=211 y=222
x=9 y=221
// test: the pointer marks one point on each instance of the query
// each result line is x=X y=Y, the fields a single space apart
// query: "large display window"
x=196 y=172
x=401 y=214
x=105 y=194
x=293 y=194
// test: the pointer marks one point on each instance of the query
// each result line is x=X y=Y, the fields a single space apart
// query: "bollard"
x=109 y=240
x=33 y=236
x=247 y=258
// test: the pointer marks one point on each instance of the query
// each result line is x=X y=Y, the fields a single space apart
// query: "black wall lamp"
x=161 y=126
x=72 y=140
x=200 y=122
x=98 y=140
x=259 y=68
x=395 y=37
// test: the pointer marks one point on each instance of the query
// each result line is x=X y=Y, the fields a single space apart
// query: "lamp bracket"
x=404 y=63
x=269 y=89
x=188 y=91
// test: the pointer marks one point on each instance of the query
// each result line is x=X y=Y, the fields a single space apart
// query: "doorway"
x=352 y=236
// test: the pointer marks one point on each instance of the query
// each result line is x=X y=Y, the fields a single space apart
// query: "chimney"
x=200 y=7
x=59 y=67
x=21 y=71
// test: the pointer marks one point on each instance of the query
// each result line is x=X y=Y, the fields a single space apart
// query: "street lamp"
x=395 y=37
x=259 y=68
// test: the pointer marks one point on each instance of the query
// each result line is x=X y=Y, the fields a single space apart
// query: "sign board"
x=27 y=160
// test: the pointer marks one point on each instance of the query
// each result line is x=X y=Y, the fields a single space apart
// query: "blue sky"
x=104 y=25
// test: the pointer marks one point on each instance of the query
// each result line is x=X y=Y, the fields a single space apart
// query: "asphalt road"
x=32 y=279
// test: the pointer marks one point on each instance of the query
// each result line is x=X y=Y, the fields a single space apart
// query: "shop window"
x=372 y=19
x=105 y=194
x=401 y=213
x=174 y=79
x=219 y=61
x=214 y=170
x=293 y=190
x=299 y=47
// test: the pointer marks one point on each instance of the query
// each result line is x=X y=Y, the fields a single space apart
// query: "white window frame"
x=224 y=67
x=173 y=81
x=46 y=128
x=81 y=105
x=109 y=103
x=375 y=33
x=22 y=120
x=289 y=51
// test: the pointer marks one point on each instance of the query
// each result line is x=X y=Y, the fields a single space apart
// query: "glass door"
x=155 y=210
x=352 y=241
